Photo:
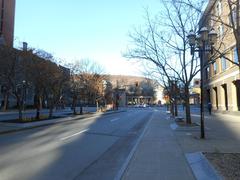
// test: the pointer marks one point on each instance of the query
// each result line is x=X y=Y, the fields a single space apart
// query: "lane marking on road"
x=115 y=119
x=67 y=137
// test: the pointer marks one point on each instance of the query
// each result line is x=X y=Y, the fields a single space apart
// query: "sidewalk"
x=222 y=136
x=221 y=132
x=14 y=127
x=158 y=155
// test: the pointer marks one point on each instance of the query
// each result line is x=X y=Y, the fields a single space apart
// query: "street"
x=92 y=148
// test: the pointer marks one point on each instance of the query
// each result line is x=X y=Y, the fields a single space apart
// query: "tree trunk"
x=97 y=105
x=20 y=109
x=5 y=103
x=38 y=107
x=172 y=107
x=50 y=109
x=176 y=108
x=74 y=105
x=187 y=106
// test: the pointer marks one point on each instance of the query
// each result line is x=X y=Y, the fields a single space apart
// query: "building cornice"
x=206 y=12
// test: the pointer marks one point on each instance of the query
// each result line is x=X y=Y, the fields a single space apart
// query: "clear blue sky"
x=77 y=29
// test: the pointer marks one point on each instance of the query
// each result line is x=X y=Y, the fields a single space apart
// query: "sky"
x=83 y=29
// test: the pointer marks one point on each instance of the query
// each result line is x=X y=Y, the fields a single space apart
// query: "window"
x=231 y=23
x=215 y=68
x=224 y=63
x=235 y=55
x=219 y=8
x=221 y=31
x=211 y=23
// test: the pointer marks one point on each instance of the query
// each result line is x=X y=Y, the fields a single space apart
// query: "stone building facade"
x=222 y=77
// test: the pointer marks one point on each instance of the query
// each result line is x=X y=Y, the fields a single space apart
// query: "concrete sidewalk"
x=158 y=155
x=14 y=127
x=222 y=136
x=221 y=131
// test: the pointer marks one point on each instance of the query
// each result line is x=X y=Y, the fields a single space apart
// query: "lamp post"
x=202 y=43
x=81 y=93
x=24 y=94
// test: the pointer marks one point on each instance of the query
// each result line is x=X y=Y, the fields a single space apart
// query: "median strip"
x=67 y=137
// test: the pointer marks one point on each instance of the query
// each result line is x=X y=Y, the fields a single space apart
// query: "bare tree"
x=86 y=81
x=12 y=76
x=164 y=43
x=46 y=77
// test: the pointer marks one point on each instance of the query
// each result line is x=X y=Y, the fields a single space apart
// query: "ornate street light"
x=198 y=43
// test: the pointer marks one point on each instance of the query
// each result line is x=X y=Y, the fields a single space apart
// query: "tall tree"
x=164 y=43
x=86 y=81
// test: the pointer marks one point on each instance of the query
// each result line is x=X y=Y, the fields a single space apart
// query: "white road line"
x=67 y=137
x=116 y=119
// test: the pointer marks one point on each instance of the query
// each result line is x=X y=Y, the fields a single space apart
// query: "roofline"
x=209 y=7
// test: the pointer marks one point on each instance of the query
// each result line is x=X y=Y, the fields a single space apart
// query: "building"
x=136 y=90
x=222 y=77
x=195 y=92
x=7 y=14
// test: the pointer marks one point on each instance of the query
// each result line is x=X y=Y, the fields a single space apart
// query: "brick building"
x=7 y=14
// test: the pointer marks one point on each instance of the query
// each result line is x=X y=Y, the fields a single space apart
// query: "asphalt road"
x=93 y=148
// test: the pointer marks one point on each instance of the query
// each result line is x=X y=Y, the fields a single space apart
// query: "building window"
x=211 y=23
x=215 y=68
x=235 y=55
x=231 y=23
x=219 y=8
x=221 y=31
x=224 y=63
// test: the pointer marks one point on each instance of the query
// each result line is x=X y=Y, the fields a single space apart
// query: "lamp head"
x=204 y=33
x=191 y=38
x=212 y=36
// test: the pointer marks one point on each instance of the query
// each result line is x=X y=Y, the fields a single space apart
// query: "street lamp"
x=24 y=94
x=199 y=43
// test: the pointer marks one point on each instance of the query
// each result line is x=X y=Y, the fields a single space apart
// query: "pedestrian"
x=210 y=108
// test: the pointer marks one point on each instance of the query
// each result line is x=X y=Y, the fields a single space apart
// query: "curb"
x=201 y=167
x=57 y=122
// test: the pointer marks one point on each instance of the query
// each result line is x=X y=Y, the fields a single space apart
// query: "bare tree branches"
x=163 y=42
